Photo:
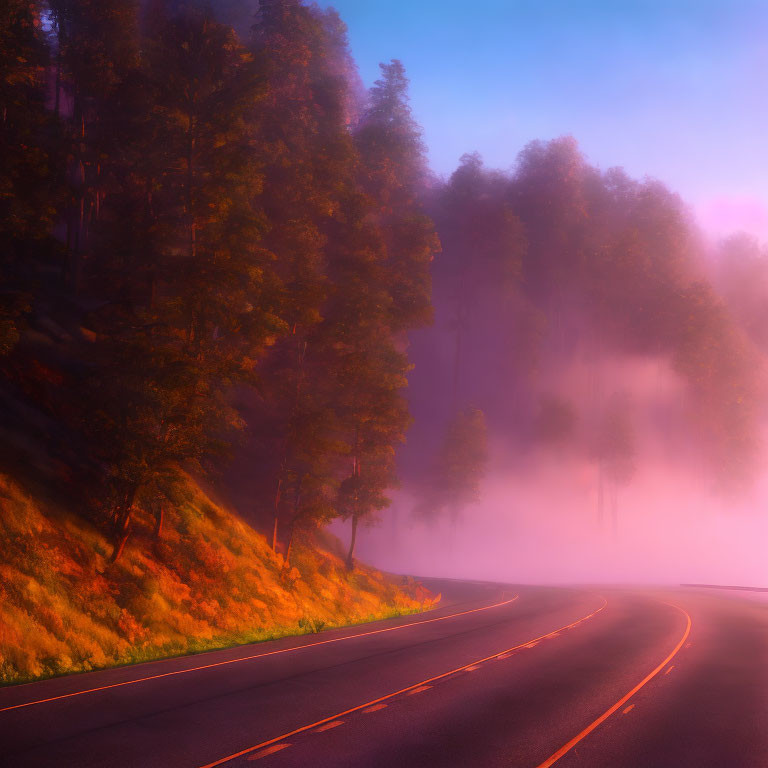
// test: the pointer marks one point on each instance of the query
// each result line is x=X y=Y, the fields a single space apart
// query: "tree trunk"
x=57 y=103
x=457 y=360
x=159 y=515
x=292 y=529
x=120 y=543
x=123 y=523
x=350 y=559
x=189 y=196
x=277 y=514
x=600 y=499
x=289 y=545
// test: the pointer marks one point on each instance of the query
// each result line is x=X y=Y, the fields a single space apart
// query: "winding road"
x=498 y=675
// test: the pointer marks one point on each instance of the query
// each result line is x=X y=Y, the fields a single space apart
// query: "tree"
x=742 y=280
x=365 y=370
x=307 y=159
x=29 y=188
x=726 y=386
x=615 y=452
x=375 y=420
x=480 y=262
x=556 y=420
x=393 y=174
x=96 y=47
x=151 y=411
x=381 y=290
x=549 y=196
x=454 y=481
x=190 y=304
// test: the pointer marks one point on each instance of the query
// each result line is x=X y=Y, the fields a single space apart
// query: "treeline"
x=203 y=232
x=565 y=297
x=215 y=247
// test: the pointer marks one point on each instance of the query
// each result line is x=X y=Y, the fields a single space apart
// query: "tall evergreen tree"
x=307 y=158
x=393 y=175
x=381 y=291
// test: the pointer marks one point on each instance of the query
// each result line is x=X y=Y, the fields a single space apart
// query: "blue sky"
x=674 y=89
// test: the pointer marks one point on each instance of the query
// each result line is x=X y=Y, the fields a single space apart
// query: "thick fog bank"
x=539 y=525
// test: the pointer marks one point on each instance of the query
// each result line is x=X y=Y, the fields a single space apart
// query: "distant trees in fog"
x=550 y=276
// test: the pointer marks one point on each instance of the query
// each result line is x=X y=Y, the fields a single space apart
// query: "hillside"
x=210 y=581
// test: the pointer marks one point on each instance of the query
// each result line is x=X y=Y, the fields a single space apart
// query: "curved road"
x=498 y=675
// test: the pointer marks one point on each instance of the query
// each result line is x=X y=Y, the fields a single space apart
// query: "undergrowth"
x=211 y=581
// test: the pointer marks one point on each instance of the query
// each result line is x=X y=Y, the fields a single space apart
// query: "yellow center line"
x=623 y=700
x=269 y=751
x=255 y=656
x=328 y=726
x=429 y=680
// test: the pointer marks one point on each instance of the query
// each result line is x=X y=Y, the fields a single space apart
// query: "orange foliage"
x=211 y=581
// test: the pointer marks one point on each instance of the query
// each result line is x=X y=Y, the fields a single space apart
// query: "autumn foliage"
x=212 y=582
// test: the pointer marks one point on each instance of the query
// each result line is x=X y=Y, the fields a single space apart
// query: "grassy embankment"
x=211 y=581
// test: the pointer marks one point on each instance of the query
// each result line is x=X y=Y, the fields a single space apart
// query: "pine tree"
x=369 y=372
x=306 y=156
x=393 y=175
x=381 y=290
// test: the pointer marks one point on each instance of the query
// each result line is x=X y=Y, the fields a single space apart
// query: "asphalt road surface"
x=498 y=675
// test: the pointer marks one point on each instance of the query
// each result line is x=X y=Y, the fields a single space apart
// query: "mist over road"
x=498 y=675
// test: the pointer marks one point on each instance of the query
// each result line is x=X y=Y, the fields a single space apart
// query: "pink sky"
x=721 y=216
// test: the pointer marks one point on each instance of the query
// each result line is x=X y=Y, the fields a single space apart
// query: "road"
x=498 y=675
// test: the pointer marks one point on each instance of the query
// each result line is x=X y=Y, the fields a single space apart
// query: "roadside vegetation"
x=211 y=582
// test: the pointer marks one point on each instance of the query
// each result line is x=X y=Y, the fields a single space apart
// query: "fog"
x=623 y=397
x=537 y=524
x=538 y=517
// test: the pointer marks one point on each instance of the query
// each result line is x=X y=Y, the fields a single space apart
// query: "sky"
x=672 y=89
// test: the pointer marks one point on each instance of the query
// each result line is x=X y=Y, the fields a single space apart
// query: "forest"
x=222 y=257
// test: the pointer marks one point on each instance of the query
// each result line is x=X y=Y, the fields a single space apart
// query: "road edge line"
x=608 y=712
x=248 y=658
x=441 y=676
